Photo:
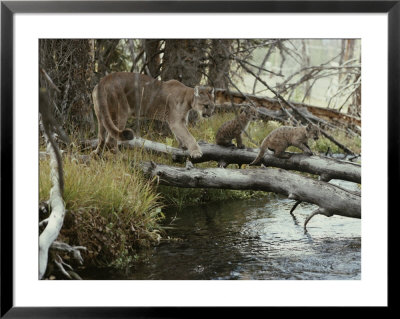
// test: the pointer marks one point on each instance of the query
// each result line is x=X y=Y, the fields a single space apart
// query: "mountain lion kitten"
x=282 y=137
x=233 y=129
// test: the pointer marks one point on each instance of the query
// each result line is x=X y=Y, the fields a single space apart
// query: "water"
x=252 y=239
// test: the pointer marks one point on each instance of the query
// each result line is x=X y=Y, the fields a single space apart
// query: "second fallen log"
x=331 y=199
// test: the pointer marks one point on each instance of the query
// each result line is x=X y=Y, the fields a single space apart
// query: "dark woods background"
x=75 y=66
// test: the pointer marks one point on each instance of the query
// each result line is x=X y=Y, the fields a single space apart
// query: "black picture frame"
x=9 y=8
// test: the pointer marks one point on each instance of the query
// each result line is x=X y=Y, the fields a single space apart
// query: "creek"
x=254 y=239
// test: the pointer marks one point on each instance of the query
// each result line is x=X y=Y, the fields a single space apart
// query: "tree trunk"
x=219 y=63
x=305 y=62
x=106 y=54
x=183 y=61
x=70 y=65
x=153 y=60
x=349 y=50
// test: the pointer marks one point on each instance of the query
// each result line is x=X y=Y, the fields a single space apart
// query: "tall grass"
x=115 y=210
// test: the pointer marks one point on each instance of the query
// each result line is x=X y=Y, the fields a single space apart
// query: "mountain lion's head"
x=203 y=101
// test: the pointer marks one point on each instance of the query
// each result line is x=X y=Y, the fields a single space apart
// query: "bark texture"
x=327 y=168
x=331 y=200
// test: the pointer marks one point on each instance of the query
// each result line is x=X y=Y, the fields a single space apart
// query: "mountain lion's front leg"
x=186 y=139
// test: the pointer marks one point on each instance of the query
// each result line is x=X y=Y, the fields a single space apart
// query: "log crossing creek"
x=254 y=239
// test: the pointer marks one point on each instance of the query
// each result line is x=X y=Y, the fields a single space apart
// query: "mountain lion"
x=121 y=95
x=282 y=137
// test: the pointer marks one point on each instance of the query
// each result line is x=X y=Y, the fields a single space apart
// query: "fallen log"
x=263 y=113
x=326 y=168
x=330 y=199
x=282 y=116
x=222 y=97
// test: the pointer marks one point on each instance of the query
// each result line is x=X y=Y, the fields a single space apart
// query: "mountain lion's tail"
x=112 y=129
x=105 y=117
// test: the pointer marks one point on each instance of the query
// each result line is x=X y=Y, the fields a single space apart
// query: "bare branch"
x=347 y=150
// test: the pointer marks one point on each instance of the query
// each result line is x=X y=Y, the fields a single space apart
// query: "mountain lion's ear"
x=196 y=91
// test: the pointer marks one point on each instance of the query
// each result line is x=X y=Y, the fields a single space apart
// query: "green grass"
x=114 y=209
x=185 y=197
x=323 y=144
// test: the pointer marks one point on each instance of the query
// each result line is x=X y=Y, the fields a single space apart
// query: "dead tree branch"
x=56 y=219
x=331 y=138
x=54 y=222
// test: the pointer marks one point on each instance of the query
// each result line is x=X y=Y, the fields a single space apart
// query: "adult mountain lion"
x=120 y=95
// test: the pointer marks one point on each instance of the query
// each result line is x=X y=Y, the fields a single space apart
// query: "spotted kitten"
x=233 y=129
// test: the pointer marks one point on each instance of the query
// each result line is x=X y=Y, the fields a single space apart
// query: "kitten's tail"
x=259 y=156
